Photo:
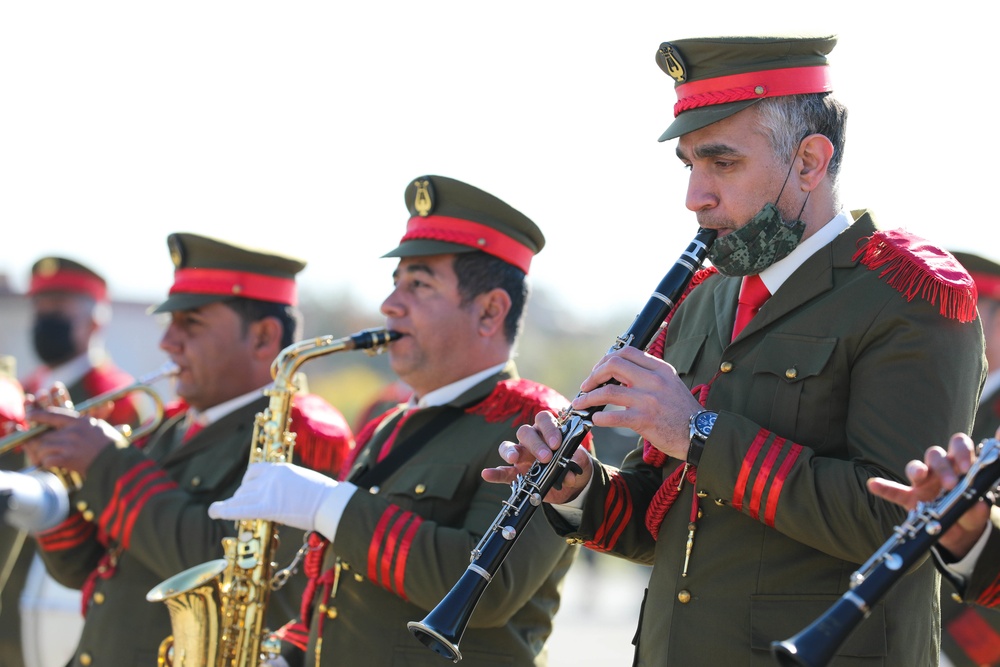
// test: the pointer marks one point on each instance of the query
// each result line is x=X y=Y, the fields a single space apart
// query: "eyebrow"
x=711 y=150
x=414 y=268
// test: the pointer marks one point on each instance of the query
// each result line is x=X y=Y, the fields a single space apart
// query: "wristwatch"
x=699 y=428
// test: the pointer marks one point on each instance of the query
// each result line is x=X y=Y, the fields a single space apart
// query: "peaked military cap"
x=716 y=77
x=985 y=273
x=209 y=270
x=449 y=216
x=59 y=274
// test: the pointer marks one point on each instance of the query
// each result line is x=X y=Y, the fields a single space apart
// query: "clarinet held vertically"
x=217 y=608
x=442 y=629
x=816 y=645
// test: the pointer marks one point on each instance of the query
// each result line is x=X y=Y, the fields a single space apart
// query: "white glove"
x=280 y=492
x=278 y=661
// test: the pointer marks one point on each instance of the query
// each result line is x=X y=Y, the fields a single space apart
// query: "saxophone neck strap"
x=369 y=474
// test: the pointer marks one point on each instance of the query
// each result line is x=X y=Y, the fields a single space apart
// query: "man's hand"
x=537 y=443
x=72 y=441
x=939 y=471
x=656 y=403
x=280 y=492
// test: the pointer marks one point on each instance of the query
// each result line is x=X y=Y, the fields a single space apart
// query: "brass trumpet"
x=142 y=385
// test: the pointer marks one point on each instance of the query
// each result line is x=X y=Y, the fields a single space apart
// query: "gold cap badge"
x=670 y=62
x=423 y=200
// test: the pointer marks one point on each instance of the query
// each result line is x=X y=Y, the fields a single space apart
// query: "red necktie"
x=391 y=440
x=192 y=431
x=753 y=294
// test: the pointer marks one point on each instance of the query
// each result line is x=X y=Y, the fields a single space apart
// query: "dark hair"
x=791 y=118
x=479 y=272
x=252 y=310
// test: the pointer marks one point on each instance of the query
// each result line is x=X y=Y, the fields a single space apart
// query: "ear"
x=813 y=157
x=265 y=338
x=493 y=307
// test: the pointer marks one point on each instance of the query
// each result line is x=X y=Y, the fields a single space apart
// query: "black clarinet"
x=818 y=643
x=442 y=629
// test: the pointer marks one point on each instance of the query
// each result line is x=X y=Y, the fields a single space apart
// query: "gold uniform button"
x=85 y=659
x=358 y=577
x=331 y=612
x=374 y=490
x=720 y=502
x=98 y=598
x=702 y=494
x=88 y=516
x=684 y=597
x=420 y=488
x=791 y=373
x=957 y=598
x=196 y=481
x=81 y=505
x=574 y=540
x=758 y=90
x=726 y=366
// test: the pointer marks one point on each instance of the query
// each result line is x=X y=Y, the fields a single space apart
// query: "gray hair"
x=791 y=118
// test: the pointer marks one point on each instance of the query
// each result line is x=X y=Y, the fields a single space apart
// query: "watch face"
x=704 y=422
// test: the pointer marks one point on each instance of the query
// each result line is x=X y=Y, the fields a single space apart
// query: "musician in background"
x=819 y=350
x=970 y=635
x=40 y=620
x=399 y=531
x=140 y=516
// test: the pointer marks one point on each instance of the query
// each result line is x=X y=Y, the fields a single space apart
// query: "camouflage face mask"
x=756 y=245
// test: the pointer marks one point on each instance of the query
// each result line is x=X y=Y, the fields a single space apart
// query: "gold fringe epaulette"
x=915 y=267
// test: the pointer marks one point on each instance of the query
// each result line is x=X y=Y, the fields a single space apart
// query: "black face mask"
x=53 y=339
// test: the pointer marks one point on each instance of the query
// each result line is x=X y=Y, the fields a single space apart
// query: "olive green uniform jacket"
x=401 y=547
x=142 y=517
x=98 y=380
x=837 y=379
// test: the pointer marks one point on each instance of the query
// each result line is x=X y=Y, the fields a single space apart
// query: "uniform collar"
x=448 y=393
x=217 y=412
x=775 y=275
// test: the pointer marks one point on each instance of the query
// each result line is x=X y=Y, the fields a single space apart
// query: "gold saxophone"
x=217 y=608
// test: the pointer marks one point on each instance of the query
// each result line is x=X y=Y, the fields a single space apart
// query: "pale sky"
x=297 y=125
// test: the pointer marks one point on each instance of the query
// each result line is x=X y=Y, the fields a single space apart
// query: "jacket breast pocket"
x=428 y=482
x=789 y=384
x=683 y=354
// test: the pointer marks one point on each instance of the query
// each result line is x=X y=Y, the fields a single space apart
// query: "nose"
x=170 y=341
x=392 y=306
x=701 y=194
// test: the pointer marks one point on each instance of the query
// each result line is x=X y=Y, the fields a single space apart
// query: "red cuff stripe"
x=471 y=234
x=235 y=283
x=748 y=461
x=389 y=553
x=373 y=547
x=133 y=514
x=762 y=476
x=976 y=637
x=779 y=481
x=622 y=513
x=404 y=552
x=122 y=483
x=71 y=533
x=121 y=510
x=988 y=598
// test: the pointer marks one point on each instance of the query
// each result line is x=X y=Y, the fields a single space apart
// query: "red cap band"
x=471 y=234
x=752 y=86
x=66 y=280
x=235 y=283
x=987 y=284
